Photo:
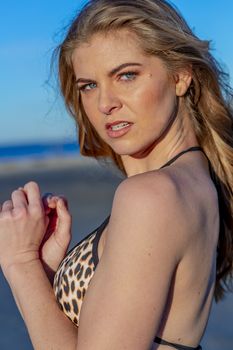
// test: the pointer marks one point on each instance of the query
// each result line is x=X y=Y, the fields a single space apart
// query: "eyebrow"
x=112 y=72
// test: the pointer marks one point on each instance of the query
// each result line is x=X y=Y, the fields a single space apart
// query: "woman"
x=147 y=94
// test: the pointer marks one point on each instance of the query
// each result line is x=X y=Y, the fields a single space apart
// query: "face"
x=127 y=95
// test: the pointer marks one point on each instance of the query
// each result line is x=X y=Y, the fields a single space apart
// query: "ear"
x=183 y=80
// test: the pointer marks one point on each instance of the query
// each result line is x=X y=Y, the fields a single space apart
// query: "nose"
x=108 y=100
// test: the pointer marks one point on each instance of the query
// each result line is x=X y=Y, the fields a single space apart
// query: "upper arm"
x=125 y=300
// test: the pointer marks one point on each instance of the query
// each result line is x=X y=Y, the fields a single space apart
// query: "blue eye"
x=128 y=76
x=87 y=87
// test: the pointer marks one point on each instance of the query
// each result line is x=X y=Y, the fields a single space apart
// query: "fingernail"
x=48 y=195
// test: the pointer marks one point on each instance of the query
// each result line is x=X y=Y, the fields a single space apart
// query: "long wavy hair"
x=163 y=32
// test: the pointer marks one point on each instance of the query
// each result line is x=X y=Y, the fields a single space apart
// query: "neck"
x=179 y=137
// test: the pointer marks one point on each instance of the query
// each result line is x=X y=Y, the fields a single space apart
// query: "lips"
x=109 y=125
x=118 y=128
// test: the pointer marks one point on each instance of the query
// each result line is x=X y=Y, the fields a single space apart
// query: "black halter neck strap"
x=191 y=149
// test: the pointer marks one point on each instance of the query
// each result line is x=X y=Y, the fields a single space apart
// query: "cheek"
x=159 y=96
x=150 y=96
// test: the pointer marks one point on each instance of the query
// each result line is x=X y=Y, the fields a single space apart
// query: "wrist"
x=21 y=263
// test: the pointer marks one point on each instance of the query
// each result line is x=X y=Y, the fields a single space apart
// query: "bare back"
x=191 y=293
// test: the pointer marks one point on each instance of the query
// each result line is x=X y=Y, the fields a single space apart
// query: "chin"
x=134 y=150
x=127 y=151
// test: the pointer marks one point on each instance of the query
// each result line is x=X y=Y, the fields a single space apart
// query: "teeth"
x=119 y=126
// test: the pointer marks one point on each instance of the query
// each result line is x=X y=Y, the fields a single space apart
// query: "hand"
x=58 y=234
x=23 y=224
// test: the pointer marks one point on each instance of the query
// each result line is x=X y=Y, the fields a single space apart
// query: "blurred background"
x=38 y=138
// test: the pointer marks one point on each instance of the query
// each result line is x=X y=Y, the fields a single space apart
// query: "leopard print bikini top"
x=77 y=269
x=75 y=273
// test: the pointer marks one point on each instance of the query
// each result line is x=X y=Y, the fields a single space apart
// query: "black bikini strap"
x=174 y=345
x=191 y=149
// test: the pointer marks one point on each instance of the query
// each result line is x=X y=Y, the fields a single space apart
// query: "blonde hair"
x=163 y=32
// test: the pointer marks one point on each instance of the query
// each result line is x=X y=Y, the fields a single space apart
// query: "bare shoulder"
x=149 y=192
x=179 y=207
x=151 y=205
x=150 y=184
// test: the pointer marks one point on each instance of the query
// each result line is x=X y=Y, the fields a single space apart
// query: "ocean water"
x=34 y=151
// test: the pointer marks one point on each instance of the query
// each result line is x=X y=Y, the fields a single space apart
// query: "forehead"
x=108 y=49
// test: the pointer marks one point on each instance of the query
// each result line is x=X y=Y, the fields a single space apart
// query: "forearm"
x=48 y=327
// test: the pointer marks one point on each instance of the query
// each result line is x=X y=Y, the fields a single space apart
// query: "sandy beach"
x=89 y=189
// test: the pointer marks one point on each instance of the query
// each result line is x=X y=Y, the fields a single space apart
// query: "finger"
x=64 y=220
x=22 y=189
x=65 y=201
x=19 y=198
x=50 y=201
x=46 y=199
x=47 y=196
x=54 y=200
x=7 y=205
x=33 y=195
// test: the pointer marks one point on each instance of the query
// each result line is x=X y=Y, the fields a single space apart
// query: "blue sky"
x=29 y=108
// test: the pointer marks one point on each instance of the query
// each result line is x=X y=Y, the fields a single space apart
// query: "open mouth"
x=119 y=129
x=119 y=126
